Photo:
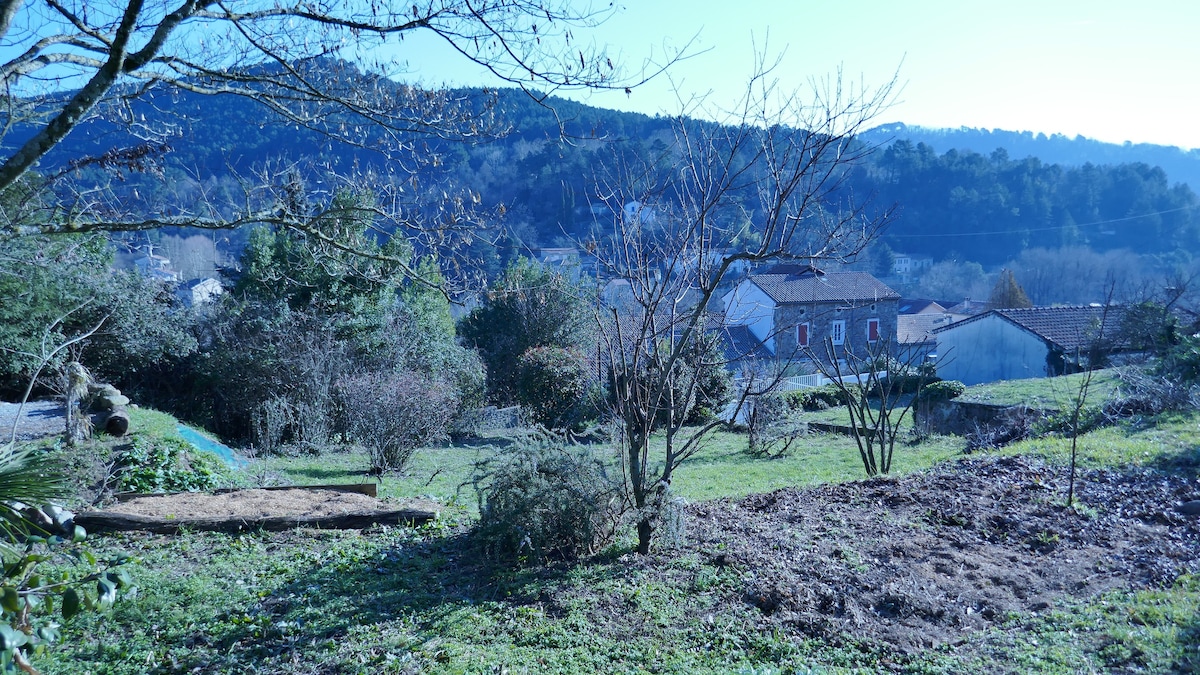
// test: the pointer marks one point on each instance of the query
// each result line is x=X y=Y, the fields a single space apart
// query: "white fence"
x=798 y=382
x=733 y=413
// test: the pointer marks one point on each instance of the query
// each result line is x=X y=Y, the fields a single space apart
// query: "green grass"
x=1170 y=442
x=441 y=473
x=721 y=468
x=396 y=600
x=1049 y=393
x=401 y=600
x=724 y=469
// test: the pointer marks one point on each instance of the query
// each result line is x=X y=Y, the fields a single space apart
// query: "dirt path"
x=38 y=419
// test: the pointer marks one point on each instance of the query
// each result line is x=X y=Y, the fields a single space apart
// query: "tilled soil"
x=924 y=560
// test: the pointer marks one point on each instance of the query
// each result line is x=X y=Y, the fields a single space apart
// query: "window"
x=802 y=335
x=872 y=330
x=837 y=332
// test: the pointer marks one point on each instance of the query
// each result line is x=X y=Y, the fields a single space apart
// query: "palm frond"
x=25 y=481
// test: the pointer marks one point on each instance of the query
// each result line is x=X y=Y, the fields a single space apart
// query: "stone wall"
x=820 y=317
x=965 y=417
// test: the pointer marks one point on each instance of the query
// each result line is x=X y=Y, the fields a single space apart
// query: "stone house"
x=793 y=310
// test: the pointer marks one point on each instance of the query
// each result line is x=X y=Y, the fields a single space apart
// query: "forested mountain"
x=952 y=203
x=989 y=208
x=1181 y=165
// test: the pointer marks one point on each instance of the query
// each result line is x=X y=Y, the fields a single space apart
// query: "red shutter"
x=873 y=330
x=802 y=335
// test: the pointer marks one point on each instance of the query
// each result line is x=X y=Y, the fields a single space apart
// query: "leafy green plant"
x=33 y=597
x=942 y=390
x=167 y=465
x=551 y=383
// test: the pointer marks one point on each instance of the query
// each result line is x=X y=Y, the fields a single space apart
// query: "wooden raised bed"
x=412 y=512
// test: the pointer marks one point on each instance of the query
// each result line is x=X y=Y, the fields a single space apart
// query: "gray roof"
x=823 y=287
x=1069 y=328
x=919 y=305
x=913 y=329
x=739 y=343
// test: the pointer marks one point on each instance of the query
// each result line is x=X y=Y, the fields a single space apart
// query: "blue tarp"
x=201 y=443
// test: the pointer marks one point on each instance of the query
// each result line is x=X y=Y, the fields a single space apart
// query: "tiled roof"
x=919 y=306
x=740 y=343
x=912 y=329
x=1068 y=328
x=969 y=307
x=823 y=287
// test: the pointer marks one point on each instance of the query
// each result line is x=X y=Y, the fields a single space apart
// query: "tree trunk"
x=78 y=424
x=645 y=531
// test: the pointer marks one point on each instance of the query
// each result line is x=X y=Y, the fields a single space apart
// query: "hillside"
x=542 y=164
x=1181 y=165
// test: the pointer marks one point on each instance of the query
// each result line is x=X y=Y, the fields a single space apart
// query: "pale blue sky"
x=1109 y=70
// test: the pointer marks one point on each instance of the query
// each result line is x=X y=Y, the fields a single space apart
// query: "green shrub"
x=551 y=383
x=1182 y=361
x=545 y=500
x=943 y=390
x=905 y=383
x=815 y=398
x=167 y=465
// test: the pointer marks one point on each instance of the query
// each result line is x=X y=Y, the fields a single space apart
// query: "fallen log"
x=116 y=423
x=101 y=521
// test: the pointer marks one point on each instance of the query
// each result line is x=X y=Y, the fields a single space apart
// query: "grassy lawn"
x=1051 y=393
x=1170 y=442
x=399 y=600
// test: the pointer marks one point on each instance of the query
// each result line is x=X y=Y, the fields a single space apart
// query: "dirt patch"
x=926 y=559
x=297 y=503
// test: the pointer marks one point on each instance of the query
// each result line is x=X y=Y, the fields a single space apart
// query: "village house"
x=793 y=311
x=1012 y=344
x=907 y=266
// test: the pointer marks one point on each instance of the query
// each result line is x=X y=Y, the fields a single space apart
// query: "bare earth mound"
x=923 y=560
x=252 y=504
x=249 y=509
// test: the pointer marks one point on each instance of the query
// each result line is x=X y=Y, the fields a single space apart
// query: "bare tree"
x=1097 y=345
x=765 y=185
x=879 y=392
x=75 y=60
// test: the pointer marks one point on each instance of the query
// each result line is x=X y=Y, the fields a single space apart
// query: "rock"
x=1191 y=508
x=63 y=519
x=111 y=402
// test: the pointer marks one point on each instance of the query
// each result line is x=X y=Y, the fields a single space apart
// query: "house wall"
x=989 y=349
x=747 y=305
x=820 y=318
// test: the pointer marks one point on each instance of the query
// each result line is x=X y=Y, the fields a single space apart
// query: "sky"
x=1108 y=70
